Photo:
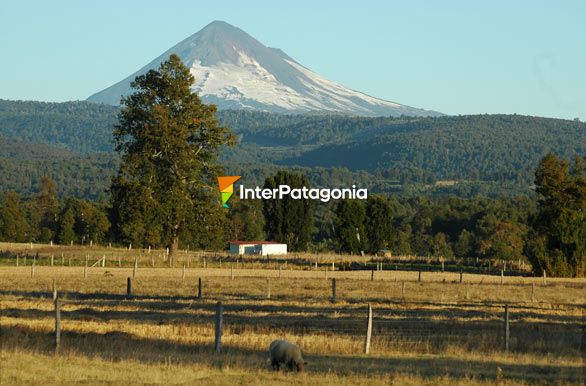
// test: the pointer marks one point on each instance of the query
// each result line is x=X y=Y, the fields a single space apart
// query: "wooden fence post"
x=17 y=259
x=52 y=258
x=183 y=274
x=55 y=295
x=219 y=317
x=419 y=276
x=199 y=289
x=268 y=288
x=135 y=269
x=506 y=328
x=502 y=276
x=33 y=270
x=57 y=325
x=334 y=290
x=461 y=276
x=62 y=259
x=128 y=288
x=368 y=330
x=372 y=274
x=544 y=277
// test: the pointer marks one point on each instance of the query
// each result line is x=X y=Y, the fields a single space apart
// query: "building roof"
x=237 y=242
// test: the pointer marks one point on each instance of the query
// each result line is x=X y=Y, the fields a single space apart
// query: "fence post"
x=506 y=328
x=219 y=316
x=135 y=269
x=544 y=276
x=403 y=290
x=333 y=266
x=183 y=274
x=419 y=276
x=334 y=290
x=57 y=325
x=62 y=259
x=54 y=290
x=128 y=288
x=85 y=268
x=268 y=288
x=33 y=270
x=199 y=288
x=368 y=330
x=17 y=259
x=442 y=266
x=52 y=258
x=461 y=276
x=372 y=274
x=103 y=260
x=502 y=276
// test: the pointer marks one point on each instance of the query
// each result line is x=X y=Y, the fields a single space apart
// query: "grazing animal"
x=285 y=353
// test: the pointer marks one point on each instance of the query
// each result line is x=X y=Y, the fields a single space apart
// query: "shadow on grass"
x=472 y=330
x=118 y=346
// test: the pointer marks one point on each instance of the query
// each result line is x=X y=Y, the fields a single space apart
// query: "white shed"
x=257 y=248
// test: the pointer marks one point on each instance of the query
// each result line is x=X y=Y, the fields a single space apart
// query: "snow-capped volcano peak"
x=234 y=70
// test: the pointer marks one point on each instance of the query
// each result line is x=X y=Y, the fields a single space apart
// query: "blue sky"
x=457 y=57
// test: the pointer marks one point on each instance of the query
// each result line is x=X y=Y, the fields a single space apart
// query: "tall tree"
x=378 y=222
x=46 y=210
x=13 y=224
x=169 y=142
x=288 y=220
x=350 y=230
x=557 y=242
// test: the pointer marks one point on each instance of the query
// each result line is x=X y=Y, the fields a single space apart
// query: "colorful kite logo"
x=227 y=188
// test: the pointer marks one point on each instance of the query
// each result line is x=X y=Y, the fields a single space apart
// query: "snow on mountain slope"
x=234 y=70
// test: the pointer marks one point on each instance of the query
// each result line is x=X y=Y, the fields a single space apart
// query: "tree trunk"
x=173 y=251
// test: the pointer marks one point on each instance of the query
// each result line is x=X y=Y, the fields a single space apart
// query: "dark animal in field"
x=282 y=352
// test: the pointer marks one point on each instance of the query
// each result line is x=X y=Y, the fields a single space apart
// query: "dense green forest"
x=23 y=164
x=462 y=155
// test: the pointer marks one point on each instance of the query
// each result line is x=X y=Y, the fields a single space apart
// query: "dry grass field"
x=433 y=331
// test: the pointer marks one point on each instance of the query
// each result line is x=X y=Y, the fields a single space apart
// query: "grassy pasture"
x=433 y=331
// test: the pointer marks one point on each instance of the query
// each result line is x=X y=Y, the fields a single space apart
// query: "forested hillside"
x=23 y=164
x=463 y=155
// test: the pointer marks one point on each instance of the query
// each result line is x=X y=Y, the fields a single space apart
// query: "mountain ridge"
x=235 y=71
